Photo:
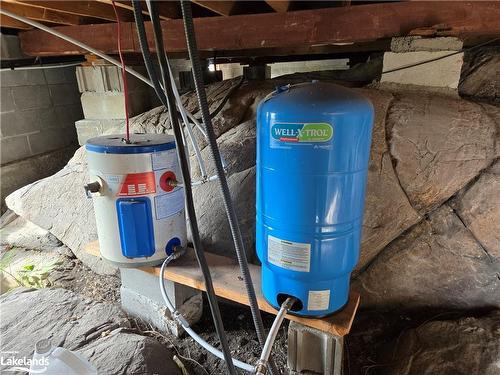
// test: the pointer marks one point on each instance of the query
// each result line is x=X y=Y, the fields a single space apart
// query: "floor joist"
x=299 y=28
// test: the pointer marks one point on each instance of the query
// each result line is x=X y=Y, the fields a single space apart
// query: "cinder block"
x=86 y=129
x=60 y=75
x=313 y=351
x=14 y=148
x=19 y=122
x=31 y=97
x=141 y=298
x=51 y=139
x=106 y=78
x=6 y=100
x=111 y=105
x=440 y=73
x=417 y=43
x=10 y=47
x=11 y=78
x=64 y=94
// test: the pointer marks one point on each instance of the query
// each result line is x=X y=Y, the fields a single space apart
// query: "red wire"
x=124 y=74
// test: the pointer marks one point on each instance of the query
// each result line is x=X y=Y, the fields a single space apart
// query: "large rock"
x=480 y=73
x=212 y=218
x=92 y=329
x=479 y=209
x=129 y=353
x=384 y=218
x=395 y=182
x=465 y=346
x=23 y=233
x=439 y=144
x=437 y=264
x=59 y=205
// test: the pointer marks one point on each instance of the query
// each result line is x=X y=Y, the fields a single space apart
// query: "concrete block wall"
x=38 y=109
x=103 y=99
x=443 y=73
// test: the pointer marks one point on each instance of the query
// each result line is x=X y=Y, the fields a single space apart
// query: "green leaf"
x=29 y=267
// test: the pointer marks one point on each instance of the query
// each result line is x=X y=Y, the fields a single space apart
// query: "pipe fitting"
x=261 y=368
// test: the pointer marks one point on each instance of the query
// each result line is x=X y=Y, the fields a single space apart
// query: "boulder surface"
x=95 y=330
x=466 y=346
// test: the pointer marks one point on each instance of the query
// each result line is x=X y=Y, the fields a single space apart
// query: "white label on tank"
x=318 y=299
x=164 y=159
x=169 y=204
x=293 y=256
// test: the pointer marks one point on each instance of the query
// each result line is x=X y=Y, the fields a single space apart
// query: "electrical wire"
x=228 y=205
x=169 y=101
x=124 y=74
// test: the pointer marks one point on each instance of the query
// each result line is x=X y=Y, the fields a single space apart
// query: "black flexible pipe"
x=169 y=102
x=231 y=91
x=231 y=214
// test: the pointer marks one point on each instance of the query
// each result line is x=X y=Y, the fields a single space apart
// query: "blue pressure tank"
x=313 y=147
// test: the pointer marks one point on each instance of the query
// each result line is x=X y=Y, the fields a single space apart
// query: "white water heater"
x=139 y=212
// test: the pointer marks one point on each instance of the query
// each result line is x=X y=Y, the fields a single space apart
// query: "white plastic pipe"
x=36 y=67
x=185 y=324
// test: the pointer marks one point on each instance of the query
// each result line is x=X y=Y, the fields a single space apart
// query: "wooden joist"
x=42 y=14
x=223 y=8
x=359 y=23
x=279 y=6
x=229 y=284
x=81 y=8
x=166 y=9
x=12 y=23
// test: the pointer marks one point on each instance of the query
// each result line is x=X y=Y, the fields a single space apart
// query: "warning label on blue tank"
x=318 y=299
x=295 y=256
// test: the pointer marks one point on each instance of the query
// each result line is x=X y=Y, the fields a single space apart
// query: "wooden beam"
x=166 y=9
x=12 y=23
x=41 y=14
x=223 y=8
x=82 y=8
x=229 y=284
x=361 y=23
x=279 y=6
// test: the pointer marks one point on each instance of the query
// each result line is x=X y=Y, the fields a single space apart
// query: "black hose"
x=231 y=214
x=169 y=102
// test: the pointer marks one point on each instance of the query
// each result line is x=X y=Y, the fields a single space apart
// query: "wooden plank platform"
x=229 y=284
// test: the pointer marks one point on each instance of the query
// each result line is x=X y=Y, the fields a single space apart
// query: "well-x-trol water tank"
x=313 y=146
x=139 y=213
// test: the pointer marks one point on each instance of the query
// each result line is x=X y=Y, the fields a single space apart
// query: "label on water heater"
x=318 y=299
x=295 y=256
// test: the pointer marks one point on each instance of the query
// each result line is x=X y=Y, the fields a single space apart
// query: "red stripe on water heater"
x=138 y=184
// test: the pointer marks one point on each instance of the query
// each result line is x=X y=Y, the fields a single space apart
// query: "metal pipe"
x=262 y=365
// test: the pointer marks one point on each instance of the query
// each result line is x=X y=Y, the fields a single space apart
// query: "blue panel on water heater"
x=313 y=147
